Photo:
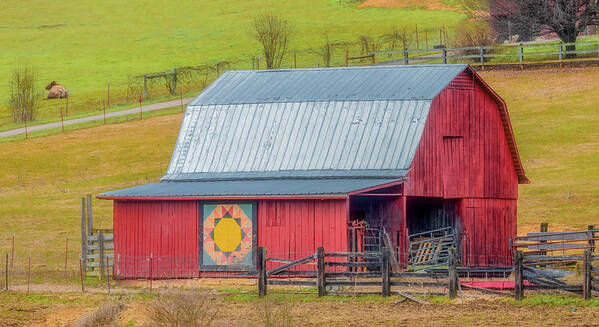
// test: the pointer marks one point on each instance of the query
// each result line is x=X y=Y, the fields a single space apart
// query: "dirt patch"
x=427 y=4
x=61 y=318
x=359 y=313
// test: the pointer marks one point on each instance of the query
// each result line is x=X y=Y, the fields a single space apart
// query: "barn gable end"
x=466 y=134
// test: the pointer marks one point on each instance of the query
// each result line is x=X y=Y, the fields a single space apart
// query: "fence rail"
x=526 y=272
x=484 y=55
x=379 y=274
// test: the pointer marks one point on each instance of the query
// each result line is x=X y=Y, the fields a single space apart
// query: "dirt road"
x=145 y=108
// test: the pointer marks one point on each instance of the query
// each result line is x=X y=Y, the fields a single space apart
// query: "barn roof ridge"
x=367 y=83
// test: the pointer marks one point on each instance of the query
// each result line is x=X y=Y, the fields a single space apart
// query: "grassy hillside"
x=553 y=113
x=85 y=44
x=556 y=122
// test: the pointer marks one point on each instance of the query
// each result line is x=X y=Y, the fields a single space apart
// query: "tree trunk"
x=568 y=49
x=570 y=37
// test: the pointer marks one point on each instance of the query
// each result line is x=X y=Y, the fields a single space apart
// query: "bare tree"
x=273 y=33
x=23 y=99
x=325 y=52
x=395 y=38
x=566 y=18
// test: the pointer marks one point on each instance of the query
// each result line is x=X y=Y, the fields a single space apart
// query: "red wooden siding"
x=165 y=230
x=464 y=154
x=488 y=228
x=463 y=151
x=292 y=229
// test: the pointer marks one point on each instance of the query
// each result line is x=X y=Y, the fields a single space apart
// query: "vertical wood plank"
x=101 y=253
x=453 y=274
x=90 y=219
x=518 y=280
x=385 y=272
x=586 y=278
x=320 y=282
x=261 y=267
x=83 y=235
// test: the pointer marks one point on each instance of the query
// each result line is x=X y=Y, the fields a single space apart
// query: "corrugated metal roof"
x=285 y=187
x=416 y=82
x=298 y=139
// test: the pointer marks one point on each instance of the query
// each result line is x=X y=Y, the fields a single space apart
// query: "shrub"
x=23 y=100
x=182 y=308
x=275 y=314
x=105 y=315
x=474 y=34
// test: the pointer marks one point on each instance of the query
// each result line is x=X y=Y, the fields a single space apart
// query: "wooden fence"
x=541 y=279
x=97 y=245
x=485 y=55
x=372 y=274
x=358 y=269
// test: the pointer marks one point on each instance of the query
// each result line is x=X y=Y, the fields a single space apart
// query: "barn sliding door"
x=228 y=237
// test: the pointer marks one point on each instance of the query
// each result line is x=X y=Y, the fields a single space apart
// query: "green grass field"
x=553 y=113
x=85 y=44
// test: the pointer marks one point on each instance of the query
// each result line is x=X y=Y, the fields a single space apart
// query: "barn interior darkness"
x=426 y=214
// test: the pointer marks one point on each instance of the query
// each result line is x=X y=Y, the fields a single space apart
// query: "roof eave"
x=227 y=197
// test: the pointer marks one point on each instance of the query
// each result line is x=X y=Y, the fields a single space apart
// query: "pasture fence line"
x=521 y=54
x=399 y=47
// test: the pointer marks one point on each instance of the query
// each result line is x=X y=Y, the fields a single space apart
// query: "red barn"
x=345 y=158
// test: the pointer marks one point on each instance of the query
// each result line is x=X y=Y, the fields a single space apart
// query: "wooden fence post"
x=521 y=56
x=108 y=92
x=544 y=227
x=453 y=274
x=66 y=254
x=417 y=43
x=141 y=117
x=518 y=278
x=592 y=236
x=385 y=273
x=181 y=97
x=145 y=86
x=261 y=267
x=586 y=272
x=175 y=79
x=108 y=275
x=482 y=57
x=373 y=57
x=61 y=119
x=320 y=267
x=346 y=60
x=101 y=253
x=83 y=233
x=90 y=218
x=294 y=59
x=6 y=273
x=444 y=55
x=28 y=274
x=561 y=50
x=81 y=265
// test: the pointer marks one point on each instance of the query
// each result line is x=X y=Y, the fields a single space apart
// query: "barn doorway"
x=373 y=221
x=432 y=230
x=426 y=214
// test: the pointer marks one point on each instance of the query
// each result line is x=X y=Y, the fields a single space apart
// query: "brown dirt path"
x=428 y=4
